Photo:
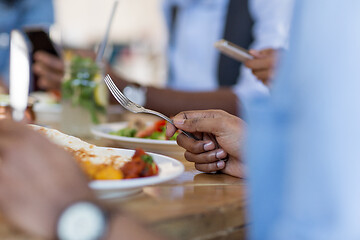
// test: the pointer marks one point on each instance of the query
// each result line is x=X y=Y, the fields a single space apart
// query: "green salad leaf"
x=131 y=132
x=125 y=132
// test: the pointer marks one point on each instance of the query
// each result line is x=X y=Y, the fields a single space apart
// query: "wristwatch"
x=137 y=94
x=82 y=221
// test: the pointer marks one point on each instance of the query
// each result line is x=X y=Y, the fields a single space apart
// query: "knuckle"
x=194 y=121
x=197 y=147
x=188 y=156
x=210 y=167
x=210 y=157
x=223 y=124
x=181 y=141
x=222 y=112
x=199 y=167
x=181 y=115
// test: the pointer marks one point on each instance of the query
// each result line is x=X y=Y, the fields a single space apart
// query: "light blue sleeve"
x=303 y=146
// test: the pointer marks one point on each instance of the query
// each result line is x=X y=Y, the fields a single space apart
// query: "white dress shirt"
x=272 y=20
x=194 y=60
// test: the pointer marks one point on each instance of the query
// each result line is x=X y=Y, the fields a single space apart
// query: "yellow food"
x=100 y=95
x=97 y=163
x=89 y=168
x=96 y=171
x=108 y=173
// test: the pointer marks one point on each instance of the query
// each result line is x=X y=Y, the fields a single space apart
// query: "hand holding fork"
x=136 y=108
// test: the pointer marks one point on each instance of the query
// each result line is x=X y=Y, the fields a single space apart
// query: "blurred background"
x=138 y=36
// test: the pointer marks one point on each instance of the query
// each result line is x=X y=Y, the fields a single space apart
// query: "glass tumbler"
x=84 y=96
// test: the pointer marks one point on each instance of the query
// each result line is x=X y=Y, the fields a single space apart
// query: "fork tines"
x=119 y=96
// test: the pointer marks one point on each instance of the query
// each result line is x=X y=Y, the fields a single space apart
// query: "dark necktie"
x=238 y=29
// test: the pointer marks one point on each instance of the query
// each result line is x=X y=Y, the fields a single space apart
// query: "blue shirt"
x=23 y=13
x=192 y=57
x=303 y=145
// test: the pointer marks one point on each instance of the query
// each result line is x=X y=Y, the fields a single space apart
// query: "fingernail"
x=209 y=146
x=220 y=164
x=220 y=154
x=179 y=122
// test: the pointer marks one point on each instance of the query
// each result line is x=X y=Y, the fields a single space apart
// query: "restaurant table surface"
x=195 y=206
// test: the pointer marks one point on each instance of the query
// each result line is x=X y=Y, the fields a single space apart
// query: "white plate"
x=166 y=147
x=169 y=169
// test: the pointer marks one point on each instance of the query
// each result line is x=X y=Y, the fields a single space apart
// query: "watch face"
x=82 y=221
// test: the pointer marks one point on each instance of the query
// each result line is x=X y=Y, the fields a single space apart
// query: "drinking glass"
x=84 y=96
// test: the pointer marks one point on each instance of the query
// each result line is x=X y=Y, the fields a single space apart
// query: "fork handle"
x=190 y=135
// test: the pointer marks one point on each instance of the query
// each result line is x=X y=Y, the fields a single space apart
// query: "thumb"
x=170 y=130
x=204 y=125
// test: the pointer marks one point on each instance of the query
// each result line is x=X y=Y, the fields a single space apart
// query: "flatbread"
x=82 y=150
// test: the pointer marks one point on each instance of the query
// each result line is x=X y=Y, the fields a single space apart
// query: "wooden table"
x=194 y=206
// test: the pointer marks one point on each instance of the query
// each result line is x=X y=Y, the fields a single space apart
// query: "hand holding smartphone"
x=232 y=50
x=41 y=41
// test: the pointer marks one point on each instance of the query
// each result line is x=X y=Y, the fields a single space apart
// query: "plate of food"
x=116 y=172
x=137 y=133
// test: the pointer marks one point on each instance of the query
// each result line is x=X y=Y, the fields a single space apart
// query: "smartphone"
x=40 y=40
x=232 y=50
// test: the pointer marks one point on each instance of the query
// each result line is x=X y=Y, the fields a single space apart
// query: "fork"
x=136 y=108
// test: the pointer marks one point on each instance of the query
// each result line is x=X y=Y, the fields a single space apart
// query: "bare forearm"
x=171 y=102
